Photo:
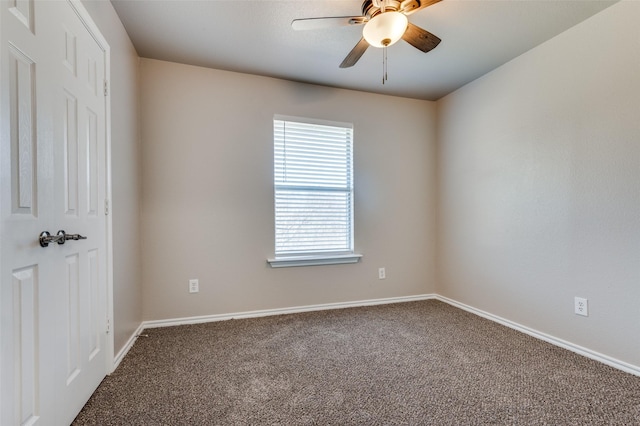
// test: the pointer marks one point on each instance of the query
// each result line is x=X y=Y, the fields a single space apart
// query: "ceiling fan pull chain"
x=383 y=73
x=384 y=64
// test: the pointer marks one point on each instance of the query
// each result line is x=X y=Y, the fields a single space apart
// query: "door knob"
x=46 y=238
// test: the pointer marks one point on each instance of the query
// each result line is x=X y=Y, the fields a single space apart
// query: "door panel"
x=79 y=140
x=23 y=11
x=25 y=341
x=23 y=141
x=70 y=147
x=53 y=299
x=21 y=198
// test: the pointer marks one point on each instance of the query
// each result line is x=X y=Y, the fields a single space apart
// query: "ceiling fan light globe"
x=385 y=29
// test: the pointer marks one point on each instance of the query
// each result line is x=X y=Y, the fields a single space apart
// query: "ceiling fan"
x=385 y=22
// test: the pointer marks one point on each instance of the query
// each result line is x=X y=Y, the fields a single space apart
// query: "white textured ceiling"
x=255 y=36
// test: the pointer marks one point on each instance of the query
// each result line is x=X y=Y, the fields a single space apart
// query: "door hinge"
x=106 y=207
x=108 y=326
x=106 y=87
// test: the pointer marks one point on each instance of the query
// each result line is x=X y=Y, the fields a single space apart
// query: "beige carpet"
x=418 y=363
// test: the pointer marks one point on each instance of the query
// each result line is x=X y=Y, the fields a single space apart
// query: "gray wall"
x=125 y=173
x=539 y=183
x=208 y=181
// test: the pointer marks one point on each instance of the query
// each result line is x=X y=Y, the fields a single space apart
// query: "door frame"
x=94 y=31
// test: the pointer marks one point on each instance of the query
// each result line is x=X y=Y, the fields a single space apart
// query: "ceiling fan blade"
x=320 y=23
x=419 y=38
x=415 y=5
x=355 y=54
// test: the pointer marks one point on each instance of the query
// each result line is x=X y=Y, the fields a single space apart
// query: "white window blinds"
x=313 y=178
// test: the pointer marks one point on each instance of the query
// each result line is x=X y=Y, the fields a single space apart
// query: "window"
x=313 y=183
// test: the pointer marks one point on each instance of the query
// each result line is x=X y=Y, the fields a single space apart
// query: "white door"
x=53 y=299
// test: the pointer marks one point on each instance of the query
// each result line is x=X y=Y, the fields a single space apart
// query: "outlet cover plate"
x=382 y=273
x=581 y=306
x=194 y=286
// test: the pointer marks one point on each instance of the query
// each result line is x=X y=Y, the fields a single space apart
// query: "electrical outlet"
x=382 y=274
x=194 y=286
x=581 y=306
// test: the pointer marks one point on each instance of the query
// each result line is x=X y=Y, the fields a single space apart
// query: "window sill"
x=291 y=261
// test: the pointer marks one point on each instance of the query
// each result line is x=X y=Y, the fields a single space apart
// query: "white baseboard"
x=283 y=311
x=125 y=349
x=612 y=362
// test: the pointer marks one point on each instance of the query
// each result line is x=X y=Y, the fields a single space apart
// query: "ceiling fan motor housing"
x=371 y=8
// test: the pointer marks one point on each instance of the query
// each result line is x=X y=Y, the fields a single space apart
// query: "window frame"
x=310 y=257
